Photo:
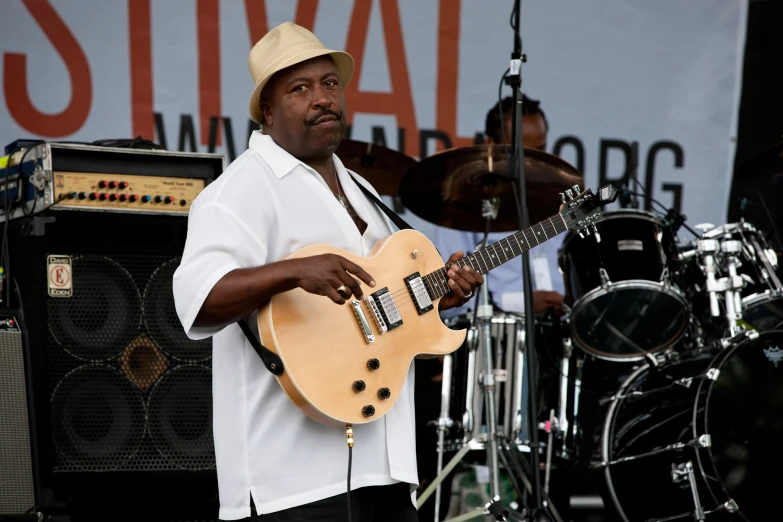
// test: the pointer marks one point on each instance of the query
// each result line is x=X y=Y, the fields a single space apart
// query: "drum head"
x=745 y=421
x=763 y=312
x=627 y=320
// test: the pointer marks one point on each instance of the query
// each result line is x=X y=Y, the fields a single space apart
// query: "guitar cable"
x=349 y=440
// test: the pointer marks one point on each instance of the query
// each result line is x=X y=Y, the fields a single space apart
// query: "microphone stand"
x=517 y=170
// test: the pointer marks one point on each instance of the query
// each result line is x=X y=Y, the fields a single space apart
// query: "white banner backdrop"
x=662 y=74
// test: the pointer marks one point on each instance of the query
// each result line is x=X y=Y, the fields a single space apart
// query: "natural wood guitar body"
x=324 y=350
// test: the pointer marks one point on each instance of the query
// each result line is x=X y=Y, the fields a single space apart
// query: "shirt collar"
x=279 y=160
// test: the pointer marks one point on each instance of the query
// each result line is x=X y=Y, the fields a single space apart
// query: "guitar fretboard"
x=494 y=255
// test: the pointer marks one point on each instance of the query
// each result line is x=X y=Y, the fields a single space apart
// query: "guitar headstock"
x=580 y=211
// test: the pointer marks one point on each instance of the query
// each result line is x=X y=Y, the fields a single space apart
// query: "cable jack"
x=349 y=440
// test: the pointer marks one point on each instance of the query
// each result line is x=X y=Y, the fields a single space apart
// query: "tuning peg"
x=587 y=231
x=576 y=189
x=581 y=235
x=569 y=194
x=595 y=229
x=562 y=197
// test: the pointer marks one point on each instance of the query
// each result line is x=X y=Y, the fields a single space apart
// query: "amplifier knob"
x=158 y=199
x=359 y=386
x=133 y=198
x=93 y=195
x=368 y=411
x=82 y=195
x=102 y=197
x=146 y=199
x=112 y=184
x=101 y=184
x=113 y=197
x=182 y=202
x=123 y=197
x=169 y=200
x=123 y=184
x=373 y=364
x=384 y=393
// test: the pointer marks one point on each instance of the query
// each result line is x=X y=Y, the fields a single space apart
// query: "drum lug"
x=713 y=373
x=665 y=276
x=604 y=277
x=731 y=506
x=704 y=441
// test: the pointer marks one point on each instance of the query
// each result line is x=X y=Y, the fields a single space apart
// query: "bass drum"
x=722 y=414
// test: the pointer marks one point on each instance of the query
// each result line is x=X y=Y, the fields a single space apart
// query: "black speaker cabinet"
x=121 y=398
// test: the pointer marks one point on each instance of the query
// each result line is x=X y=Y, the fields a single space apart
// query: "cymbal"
x=381 y=166
x=447 y=188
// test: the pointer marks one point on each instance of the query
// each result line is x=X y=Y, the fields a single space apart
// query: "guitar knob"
x=359 y=386
x=368 y=411
x=384 y=393
x=373 y=364
x=576 y=189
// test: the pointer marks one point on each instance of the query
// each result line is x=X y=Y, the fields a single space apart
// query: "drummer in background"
x=505 y=281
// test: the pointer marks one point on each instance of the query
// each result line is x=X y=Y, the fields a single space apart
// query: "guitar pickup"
x=419 y=293
x=388 y=316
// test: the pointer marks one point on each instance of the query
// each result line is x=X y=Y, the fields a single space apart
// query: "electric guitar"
x=346 y=364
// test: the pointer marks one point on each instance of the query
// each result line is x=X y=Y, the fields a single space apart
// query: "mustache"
x=322 y=113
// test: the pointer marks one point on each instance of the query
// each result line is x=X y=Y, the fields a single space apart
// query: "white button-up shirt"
x=266 y=205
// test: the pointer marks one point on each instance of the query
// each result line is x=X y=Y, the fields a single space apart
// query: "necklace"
x=343 y=200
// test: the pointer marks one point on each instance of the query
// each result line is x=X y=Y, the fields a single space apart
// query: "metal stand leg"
x=685 y=472
x=488 y=383
x=444 y=423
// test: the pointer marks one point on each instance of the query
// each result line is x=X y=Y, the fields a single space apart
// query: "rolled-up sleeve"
x=217 y=243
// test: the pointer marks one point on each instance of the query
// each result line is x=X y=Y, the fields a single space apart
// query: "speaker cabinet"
x=17 y=494
x=122 y=398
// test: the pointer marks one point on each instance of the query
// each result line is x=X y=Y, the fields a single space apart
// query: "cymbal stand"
x=484 y=312
x=489 y=210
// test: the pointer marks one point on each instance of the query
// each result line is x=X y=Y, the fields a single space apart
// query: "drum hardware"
x=684 y=472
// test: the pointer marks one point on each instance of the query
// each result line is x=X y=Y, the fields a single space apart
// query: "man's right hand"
x=325 y=273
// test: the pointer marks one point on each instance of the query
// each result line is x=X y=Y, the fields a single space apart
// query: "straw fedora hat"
x=284 y=46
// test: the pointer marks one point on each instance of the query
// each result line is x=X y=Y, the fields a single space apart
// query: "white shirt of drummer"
x=266 y=205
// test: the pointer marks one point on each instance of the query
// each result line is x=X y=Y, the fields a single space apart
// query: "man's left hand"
x=463 y=282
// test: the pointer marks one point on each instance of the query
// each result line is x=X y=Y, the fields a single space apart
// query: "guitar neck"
x=494 y=255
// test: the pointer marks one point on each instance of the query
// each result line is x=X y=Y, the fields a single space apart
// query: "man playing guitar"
x=287 y=191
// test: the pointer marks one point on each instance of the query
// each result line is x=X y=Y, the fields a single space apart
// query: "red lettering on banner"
x=257 y=22
x=17 y=98
x=208 y=16
x=448 y=72
x=400 y=101
x=142 y=119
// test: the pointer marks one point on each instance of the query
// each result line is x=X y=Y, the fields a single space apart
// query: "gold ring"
x=342 y=290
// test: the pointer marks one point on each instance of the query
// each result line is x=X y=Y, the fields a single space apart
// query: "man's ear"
x=266 y=112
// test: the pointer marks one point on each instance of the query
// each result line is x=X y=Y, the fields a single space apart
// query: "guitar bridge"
x=419 y=293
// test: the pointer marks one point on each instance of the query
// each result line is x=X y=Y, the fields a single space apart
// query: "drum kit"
x=693 y=430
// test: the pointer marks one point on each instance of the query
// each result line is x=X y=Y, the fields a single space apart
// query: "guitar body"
x=325 y=350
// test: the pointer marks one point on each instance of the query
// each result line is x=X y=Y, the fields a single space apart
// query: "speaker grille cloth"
x=16 y=472
x=130 y=392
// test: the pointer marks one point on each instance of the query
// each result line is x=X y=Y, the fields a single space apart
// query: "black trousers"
x=370 y=504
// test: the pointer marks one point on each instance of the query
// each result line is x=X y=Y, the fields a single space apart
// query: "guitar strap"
x=271 y=359
x=397 y=220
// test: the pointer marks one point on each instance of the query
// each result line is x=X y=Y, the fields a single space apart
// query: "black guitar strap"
x=397 y=220
x=271 y=359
